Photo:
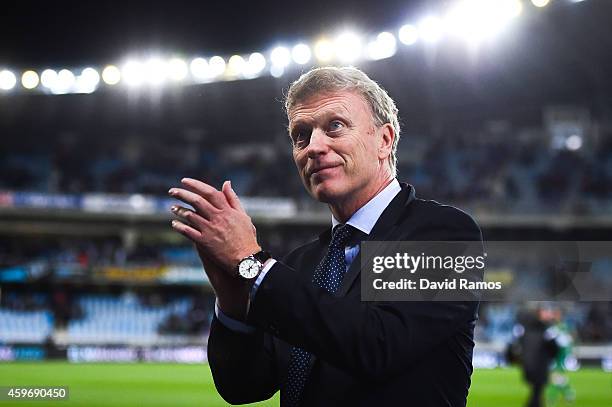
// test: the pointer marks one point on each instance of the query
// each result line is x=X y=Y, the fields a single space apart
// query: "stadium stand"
x=25 y=326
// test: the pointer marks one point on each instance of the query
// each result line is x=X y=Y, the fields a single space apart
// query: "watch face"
x=249 y=268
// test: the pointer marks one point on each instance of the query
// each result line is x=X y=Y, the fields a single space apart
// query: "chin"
x=328 y=191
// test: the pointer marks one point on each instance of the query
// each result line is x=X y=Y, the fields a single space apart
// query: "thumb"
x=231 y=196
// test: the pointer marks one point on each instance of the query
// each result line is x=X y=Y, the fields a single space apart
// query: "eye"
x=300 y=136
x=335 y=125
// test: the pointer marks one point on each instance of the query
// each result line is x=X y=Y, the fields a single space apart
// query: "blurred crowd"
x=589 y=322
x=501 y=169
x=147 y=168
x=505 y=172
x=59 y=255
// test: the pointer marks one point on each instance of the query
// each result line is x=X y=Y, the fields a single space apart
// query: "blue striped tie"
x=328 y=275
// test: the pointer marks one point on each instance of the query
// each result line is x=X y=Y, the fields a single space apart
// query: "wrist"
x=251 y=266
x=244 y=254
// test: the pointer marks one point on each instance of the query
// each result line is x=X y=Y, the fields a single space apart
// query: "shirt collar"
x=366 y=217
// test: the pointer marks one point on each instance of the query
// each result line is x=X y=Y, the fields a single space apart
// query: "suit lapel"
x=384 y=227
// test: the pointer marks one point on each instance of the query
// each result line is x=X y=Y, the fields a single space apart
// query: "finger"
x=190 y=217
x=186 y=230
x=231 y=196
x=210 y=193
x=198 y=202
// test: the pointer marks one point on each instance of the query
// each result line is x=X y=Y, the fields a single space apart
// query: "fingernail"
x=173 y=223
x=174 y=208
x=171 y=191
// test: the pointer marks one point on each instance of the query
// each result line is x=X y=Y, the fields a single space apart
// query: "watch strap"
x=262 y=256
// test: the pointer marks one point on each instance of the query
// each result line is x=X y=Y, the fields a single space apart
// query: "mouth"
x=322 y=169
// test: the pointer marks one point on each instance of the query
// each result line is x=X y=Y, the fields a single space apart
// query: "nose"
x=318 y=143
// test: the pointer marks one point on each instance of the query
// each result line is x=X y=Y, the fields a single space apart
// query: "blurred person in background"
x=560 y=386
x=534 y=350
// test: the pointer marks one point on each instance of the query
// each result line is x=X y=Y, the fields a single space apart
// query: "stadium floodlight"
x=177 y=69
x=64 y=82
x=573 y=142
x=408 y=34
x=348 y=47
x=478 y=20
x=384 y=46
x=301 y=54
x=236 y=65
x=255 y=64
x=280 y=57
x=87 y=81
x=200 y=69
x=156 y=71
x=512 y=8
x=277 y=71
x=430 y=29
x=471 y=20
x=133 y=73
x=48 y=78
x=7 y=80
x=324 y=50
x=29 y=79
x=217 y=65
x=111 y=75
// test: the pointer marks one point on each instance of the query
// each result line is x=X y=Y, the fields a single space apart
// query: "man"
x=560 y=381
x=298 y=325
x=537 y=349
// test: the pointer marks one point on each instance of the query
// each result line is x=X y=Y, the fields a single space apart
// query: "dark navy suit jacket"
x=365 y=353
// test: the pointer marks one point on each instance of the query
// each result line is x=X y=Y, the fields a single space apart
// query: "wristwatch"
x=251 y=266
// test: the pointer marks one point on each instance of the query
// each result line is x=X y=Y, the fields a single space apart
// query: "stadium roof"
x=556 y=54
x=68 y=33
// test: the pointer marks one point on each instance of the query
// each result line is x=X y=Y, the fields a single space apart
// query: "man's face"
x=335 y=146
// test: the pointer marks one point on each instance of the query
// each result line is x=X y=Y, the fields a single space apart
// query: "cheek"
x=354 y=153
x=368 y=151
x=300 y=160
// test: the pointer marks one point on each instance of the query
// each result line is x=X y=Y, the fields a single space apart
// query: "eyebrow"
x=326 y=114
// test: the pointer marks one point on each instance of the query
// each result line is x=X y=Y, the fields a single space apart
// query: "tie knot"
x=341 y=235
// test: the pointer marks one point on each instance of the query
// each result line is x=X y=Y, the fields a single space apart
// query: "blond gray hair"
x=335 y=79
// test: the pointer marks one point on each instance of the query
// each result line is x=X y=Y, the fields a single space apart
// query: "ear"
x=385 y=146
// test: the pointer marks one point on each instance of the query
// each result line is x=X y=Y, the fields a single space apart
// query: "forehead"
x=345 y=103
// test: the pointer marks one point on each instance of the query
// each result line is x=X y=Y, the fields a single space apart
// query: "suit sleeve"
x=242 y=364
x=373 y=340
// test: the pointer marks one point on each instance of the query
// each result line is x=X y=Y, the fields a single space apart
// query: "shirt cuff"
x=231 y=323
